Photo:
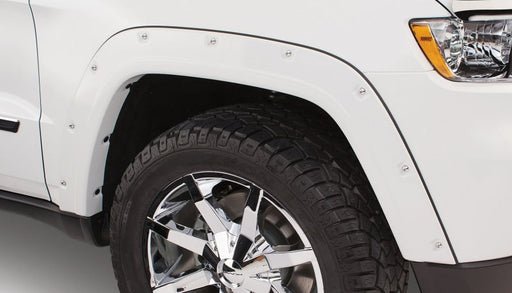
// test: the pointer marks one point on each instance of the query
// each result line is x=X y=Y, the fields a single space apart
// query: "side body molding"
x=310 y=74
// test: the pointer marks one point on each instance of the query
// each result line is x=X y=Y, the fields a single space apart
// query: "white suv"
x=268 y=146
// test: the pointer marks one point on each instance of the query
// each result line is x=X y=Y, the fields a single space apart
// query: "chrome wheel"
x=214 y=232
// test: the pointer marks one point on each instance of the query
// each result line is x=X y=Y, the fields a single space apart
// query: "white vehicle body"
x=21 y=167
x=437 y=153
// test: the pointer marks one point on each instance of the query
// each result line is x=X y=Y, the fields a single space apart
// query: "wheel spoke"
x=250 y=216
x=278 y=260
x=199 y=193
x=256 y=285
x=179 y=235
x=286 y=259
x=277 y=287
x=243 y=245
x=256 y=266
x=189 y=282
x=168 y=209
x=206 y=186
x=211 y=217
x=195 y=193
x=249 y=226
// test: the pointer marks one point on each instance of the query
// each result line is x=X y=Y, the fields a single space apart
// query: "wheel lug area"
x=230 y=273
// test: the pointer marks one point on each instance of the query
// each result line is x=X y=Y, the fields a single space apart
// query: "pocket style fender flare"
x=319 y=77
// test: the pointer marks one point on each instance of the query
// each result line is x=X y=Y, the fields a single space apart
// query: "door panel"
x=21 y=167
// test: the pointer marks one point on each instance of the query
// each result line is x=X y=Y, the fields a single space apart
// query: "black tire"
x=315 y=176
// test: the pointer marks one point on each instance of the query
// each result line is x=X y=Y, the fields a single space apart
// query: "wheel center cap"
x=230 y=273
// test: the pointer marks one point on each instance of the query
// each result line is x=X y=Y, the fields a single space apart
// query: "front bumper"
x=490 y=276
x=460 y=135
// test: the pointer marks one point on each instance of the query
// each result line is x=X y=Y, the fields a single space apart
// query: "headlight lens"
x=466 y=50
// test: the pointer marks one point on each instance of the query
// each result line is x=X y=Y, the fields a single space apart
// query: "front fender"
x=314 y=75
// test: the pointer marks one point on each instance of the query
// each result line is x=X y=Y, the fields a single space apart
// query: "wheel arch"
x=324 y=80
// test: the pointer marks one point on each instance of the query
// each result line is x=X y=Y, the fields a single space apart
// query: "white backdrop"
x=35 y=257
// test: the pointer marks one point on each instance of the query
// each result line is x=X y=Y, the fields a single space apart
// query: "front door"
x=21 y=166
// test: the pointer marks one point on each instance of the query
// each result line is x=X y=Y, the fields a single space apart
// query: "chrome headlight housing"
x=466 y=50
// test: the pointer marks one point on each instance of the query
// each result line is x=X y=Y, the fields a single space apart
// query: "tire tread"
x=313 y=160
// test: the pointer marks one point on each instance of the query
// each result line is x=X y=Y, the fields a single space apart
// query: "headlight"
x=466 y=50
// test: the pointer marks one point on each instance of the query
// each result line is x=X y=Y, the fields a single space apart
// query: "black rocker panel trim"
x=9 y=125
x=477 y=277
x=86 y=229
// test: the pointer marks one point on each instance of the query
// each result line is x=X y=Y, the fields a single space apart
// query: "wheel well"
x=158 y=102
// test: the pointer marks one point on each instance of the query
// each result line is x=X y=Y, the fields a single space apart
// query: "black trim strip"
x=466 y=14
x=475 y=277
x=9 y=125
x=30 y=201
x=343 y=61
x=87 y=229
